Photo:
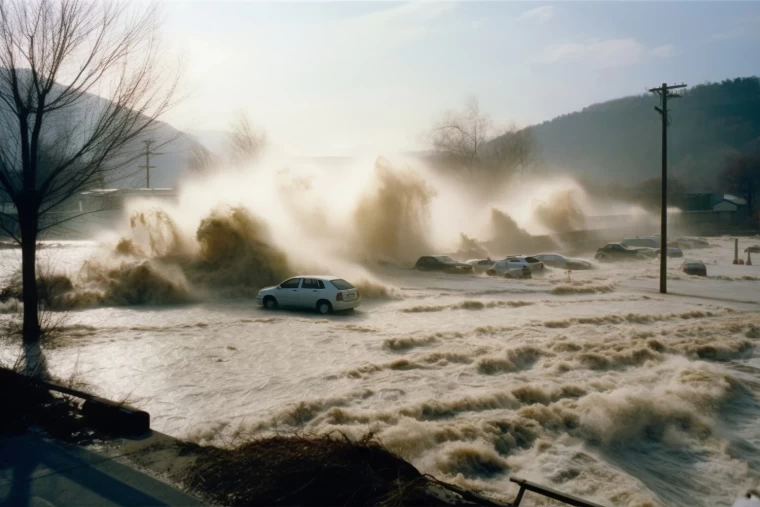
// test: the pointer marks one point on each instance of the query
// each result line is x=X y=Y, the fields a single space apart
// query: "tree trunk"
x=28 y=222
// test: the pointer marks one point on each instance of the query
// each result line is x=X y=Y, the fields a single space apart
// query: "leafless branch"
x=81 y=84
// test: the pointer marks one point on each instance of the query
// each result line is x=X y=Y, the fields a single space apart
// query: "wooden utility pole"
x=665 y=94
x=147 y=165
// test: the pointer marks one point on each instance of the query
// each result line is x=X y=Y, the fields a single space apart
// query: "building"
x=711 y=209
x=100 y=209
x=111 y=199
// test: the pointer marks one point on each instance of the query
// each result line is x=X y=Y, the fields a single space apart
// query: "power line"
x=665 y=93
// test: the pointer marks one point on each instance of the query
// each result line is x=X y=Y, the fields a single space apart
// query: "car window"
x=532 y=259
x=291 y=284
x=320 y=284
x=310 y=283
x=341 y=284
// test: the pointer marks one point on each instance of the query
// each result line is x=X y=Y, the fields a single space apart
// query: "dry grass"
x=313 y=470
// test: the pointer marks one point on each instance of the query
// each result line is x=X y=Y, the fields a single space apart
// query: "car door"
x=312 y=290
x=288 y=293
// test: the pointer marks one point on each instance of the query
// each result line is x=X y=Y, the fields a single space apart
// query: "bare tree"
x=201 y=160
x=513 y=152
x=79 y=85
x=459 y=137
x=245 y=142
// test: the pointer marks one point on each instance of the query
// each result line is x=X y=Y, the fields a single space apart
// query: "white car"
x=560 y=261
x=525 y=260
x=322 y=293
x=510 y=268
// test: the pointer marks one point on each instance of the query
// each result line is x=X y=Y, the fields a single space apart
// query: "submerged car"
x=646 y=242
x=324 y=294
x=618 y=251
x=673 y=250
x=526 y=260
x=560 y=261
x=692 y=243
x=692 y=267
x=511 y=268
x=442 y=263
x=481 y=265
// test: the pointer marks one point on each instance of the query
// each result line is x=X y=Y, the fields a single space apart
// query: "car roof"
x=316 y=277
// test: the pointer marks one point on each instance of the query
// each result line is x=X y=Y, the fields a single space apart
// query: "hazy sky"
x=359 y=77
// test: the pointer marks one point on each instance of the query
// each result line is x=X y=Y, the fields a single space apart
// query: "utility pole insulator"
x=665 y=93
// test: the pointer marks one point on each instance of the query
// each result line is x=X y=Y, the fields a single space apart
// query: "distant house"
x=728 y=202
x=112 y=199
x=711 y=209
x=101 y=209
x=704 y=212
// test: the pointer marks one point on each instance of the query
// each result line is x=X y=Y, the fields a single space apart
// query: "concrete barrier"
x=103 y=414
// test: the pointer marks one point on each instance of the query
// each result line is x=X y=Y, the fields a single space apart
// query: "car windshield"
x=341 y=284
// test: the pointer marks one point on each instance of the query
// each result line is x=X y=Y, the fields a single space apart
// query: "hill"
x=620 y=140
x=68 y=127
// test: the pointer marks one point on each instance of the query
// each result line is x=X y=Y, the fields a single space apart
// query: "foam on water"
x=595 y=385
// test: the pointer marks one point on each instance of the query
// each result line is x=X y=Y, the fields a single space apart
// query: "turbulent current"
x=591 y=382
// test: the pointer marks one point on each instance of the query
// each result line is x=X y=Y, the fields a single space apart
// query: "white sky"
x=349 y=78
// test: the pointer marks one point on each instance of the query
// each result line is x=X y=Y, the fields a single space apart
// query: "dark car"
x=617 y=251
x=697 y=268
x=442 y=263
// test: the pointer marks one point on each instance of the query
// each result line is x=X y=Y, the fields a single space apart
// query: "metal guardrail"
x=548 y=492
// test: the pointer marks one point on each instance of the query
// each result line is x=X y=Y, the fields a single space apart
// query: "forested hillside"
x=619 y=140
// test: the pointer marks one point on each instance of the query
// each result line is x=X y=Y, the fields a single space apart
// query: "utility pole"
x=665 y=94
x=147 y=165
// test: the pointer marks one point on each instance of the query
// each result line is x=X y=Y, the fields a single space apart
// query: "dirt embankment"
x=316 y=470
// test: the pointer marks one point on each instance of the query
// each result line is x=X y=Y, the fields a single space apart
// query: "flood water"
x=593 y=384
